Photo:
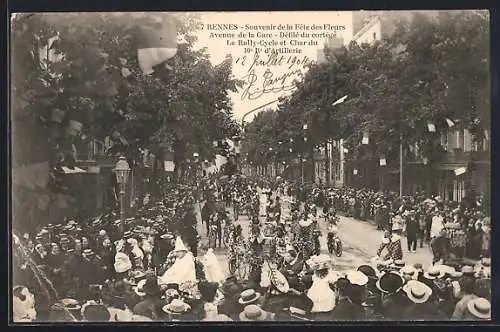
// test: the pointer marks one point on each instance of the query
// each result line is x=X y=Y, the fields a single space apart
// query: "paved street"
x=360 y=240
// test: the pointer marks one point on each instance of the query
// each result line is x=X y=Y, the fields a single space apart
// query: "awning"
x=450 y=167
x=75 y=170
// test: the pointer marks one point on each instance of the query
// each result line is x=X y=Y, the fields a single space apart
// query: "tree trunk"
x=179 y=151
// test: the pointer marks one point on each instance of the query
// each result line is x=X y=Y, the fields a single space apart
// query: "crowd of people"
x=156 y=267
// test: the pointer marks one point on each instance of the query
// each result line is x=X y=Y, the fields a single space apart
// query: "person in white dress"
x=183 y=270
x=320 y=293
x=211 y=266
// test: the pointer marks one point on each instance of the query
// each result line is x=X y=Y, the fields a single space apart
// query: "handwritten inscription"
x=271 y=81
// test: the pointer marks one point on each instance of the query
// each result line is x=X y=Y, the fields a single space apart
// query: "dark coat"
x=150 y=307
x=424 y=311
x=347 y=310
x=394 y=306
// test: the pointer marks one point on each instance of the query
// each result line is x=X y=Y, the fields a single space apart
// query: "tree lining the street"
x=77 y=79
x=429 y=70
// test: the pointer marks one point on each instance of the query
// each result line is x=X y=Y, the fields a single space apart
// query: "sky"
x=282 y=74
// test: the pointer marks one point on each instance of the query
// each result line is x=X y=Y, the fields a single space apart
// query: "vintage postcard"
x=250 y=166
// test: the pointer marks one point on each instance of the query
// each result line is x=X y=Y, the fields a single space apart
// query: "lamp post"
x=122 y=171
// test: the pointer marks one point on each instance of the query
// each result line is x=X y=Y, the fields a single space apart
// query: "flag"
x=156 y=44
x=340 y=101
x=460 y=171
x=450 y=123
x=431 y=127
x=365 y=139
x=355 y=171
x=383 y=162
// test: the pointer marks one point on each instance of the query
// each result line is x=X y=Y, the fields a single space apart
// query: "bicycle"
x=228 y=233
x=212 y=236
x=237 y=263
x=334 y=244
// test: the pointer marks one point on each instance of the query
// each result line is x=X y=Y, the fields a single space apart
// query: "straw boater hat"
x=390 y=282
x=248 y=296
x=71 y=304
x=253 y=312
x=434 y=273
x=305 y=223
x=357 y=278
x=179 y=245
x=176 y=307
x=468 y=270
x=408 y=269
x=480 y=308
x=417 y=291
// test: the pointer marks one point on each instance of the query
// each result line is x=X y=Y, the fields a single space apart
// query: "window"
x=467 y=141
x=374 y=36
x=444 y=141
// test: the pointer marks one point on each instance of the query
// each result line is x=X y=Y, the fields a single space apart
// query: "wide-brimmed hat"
x=408 y=269
x=167 y=236
x=480 y=308
x=305 y=222
x=417 y=291
x=248 y=296
x=390 y=282
x=253 y=312
x=467 y=270
x=368 y=271
x=446 y=269
x=70 y=304
x=127 y=235
x=176 y=307
x=434 y=273
x=138 y=275
x=398 y=264
x=357 y=278
x=319 y=262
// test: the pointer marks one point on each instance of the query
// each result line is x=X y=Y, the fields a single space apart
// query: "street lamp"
x=122 y=171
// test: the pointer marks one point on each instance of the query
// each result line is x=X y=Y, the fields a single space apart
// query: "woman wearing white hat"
x=183 y=270
x=320 y=293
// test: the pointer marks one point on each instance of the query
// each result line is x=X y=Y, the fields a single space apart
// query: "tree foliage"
x=428 y=70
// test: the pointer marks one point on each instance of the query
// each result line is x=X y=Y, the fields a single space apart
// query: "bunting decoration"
x=486 y=135
x=156 y=44
x=460 y=171
x=383 y=162
x=355 y=171
x=450 y=123
x=431 y=127
x=304 y=126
